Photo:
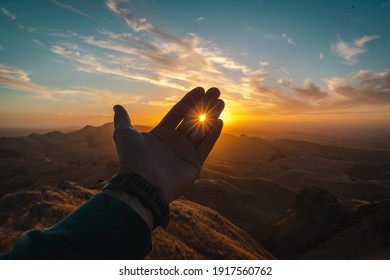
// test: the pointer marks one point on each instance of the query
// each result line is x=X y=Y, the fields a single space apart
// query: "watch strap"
x=148 y=194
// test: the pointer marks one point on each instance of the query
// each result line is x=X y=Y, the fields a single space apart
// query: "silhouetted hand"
x=171 y=155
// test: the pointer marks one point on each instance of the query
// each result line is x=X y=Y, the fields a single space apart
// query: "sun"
x=202 y=117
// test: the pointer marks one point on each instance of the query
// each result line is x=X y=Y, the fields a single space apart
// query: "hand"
x=171 y=155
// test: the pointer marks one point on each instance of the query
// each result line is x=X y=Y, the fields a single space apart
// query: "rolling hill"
x=195 y=231
x=322 y=226
x=248 y=184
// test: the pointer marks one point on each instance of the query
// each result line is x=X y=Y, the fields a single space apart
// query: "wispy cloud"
x=137 y=24
x=353 y=17
x=87 y=62
x=249 y=28
x=71 y=8
x=151 y=55
x=200 y=19
x=385 y=4
x=264 y=62
x=125 y=37
x=159 y=57
x=309 y=91
x=321 y=56
x=18 y=79
x=38 y=43
x=8 y=14
x=289 y=39
x=49 y=31
x=349 y=50
x=167 y=101
x=362 y=88
x=365 y=39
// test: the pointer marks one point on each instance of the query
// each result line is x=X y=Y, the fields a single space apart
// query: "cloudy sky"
x=68 y=62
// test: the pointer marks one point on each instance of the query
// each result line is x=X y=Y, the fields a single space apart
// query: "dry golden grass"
x=36 y=209
x=248 y=180
x=195 y=231
x=198 y=232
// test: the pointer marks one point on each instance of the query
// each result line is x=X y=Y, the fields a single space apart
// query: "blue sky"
x=68 y=62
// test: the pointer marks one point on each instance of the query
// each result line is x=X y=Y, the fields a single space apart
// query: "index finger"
x=176 y=114
x=205 y=147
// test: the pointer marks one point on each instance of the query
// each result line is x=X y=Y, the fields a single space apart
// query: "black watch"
x=149 y=195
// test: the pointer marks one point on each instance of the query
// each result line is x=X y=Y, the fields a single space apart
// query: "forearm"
x=102 y=228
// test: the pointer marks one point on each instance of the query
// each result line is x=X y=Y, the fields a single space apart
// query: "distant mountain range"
x=17 y=132
x=254 y=199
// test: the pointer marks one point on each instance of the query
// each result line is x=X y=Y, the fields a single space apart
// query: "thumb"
x=121 y=118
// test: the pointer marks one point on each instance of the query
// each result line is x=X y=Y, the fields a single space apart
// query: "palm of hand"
x=172 y=154
x=159 y=158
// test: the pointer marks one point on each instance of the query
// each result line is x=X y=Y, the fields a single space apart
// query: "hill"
x=195 y=231
x=198 y=232
x=250 y=203
x=250 y=182
x=85 y=156
x=322 y=226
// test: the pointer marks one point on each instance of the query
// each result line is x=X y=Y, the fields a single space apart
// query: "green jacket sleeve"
x=102 y=228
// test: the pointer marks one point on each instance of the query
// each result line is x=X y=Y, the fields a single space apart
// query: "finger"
x=198 y=133
x=121 y=118
x=204 y=106
x=208 y=100
x=201 y=128
x=208 y=142
x=217 y=109
x=177 y=113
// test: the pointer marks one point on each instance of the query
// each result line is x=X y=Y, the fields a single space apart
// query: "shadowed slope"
x=321 y=226
x=367 y=239
x=313 y=218
x=249 y=203
x=195 y=231
x=198 y=232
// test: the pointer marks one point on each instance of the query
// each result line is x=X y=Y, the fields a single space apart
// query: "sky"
x=291 y=63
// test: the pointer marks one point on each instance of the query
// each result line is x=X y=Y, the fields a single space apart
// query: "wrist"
x=134 y=203
x=146 y=193
x=154 y=178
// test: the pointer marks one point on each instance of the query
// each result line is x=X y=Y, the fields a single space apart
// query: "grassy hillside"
x=250 y=182
x=195 y=231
